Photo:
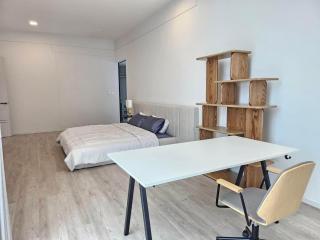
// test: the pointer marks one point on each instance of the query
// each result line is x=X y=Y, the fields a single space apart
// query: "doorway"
x=5 y=125
x=122 y=71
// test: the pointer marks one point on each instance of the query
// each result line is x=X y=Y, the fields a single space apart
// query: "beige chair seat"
x=252 y=197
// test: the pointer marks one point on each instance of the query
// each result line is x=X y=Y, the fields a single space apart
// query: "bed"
x=88 y=146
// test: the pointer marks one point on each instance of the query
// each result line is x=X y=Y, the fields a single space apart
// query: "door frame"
x=119 y=82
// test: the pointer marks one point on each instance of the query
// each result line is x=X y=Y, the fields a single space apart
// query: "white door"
x=4 y=103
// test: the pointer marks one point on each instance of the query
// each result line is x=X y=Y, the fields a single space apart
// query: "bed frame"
x=183 y=123
x=183 y=119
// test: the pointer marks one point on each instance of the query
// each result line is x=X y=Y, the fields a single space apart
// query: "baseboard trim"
x=312 y=203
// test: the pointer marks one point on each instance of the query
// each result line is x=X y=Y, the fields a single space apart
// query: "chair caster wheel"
x=246 y=233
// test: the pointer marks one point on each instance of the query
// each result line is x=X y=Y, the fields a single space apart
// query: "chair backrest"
x=285 y=196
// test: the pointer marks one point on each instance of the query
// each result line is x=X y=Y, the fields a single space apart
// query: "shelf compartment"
x=246 y=80
x=223 y=55
x=204 y=134
x=236 y=106
x=223 y=130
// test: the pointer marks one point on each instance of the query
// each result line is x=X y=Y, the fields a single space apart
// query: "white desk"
x=164 y=164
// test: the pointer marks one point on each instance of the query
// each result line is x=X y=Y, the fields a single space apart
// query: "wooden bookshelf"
x=242 y=119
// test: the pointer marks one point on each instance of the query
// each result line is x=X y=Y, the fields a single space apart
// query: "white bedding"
x=89 y=145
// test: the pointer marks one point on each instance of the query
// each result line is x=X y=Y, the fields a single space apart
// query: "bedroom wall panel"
x=162 y=65
x=52 y=86
x=85 y=95
x=32 y=89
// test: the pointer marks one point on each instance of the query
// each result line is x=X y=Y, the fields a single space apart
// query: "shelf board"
x=236 y=106
x=246 y=80
x=222 y=55
x=223 y=130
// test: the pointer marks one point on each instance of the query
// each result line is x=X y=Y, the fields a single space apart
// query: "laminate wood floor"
x=49 y=202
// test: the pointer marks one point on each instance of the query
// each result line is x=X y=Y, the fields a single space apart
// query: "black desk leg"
x=129 y=206
x=145 y=211
x=265 y=174
x=240 y=175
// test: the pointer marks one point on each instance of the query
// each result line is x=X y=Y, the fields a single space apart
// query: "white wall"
x=55 y=82
x=284 y=37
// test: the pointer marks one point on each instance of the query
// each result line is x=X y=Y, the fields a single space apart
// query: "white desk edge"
x=151 y=184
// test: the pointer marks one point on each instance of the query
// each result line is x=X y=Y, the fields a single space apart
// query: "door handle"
x=4 y=103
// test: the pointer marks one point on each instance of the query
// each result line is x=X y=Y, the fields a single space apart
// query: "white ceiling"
x=87 y=18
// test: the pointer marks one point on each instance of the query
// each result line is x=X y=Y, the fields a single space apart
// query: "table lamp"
x=129 y=106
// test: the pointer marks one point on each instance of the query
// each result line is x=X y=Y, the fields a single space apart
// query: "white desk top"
x=158 y=165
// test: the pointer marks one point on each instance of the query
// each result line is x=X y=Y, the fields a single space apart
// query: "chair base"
x=246 y=234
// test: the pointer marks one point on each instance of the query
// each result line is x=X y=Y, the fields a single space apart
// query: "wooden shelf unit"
x=244 y=120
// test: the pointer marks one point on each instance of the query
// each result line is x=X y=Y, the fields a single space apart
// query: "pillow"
x=152 y=124
x=165 y=126
x=137 y=120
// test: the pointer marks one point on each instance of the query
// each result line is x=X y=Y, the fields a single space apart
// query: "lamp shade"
x=129 y=103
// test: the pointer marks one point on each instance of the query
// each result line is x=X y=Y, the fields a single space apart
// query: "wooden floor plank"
x=47 y=202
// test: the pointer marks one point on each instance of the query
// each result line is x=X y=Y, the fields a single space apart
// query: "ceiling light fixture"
x=33 y=23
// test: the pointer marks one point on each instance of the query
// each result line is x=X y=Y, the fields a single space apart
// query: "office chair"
x=264 y=207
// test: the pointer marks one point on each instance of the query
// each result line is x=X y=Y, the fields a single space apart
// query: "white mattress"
x=89 y=145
